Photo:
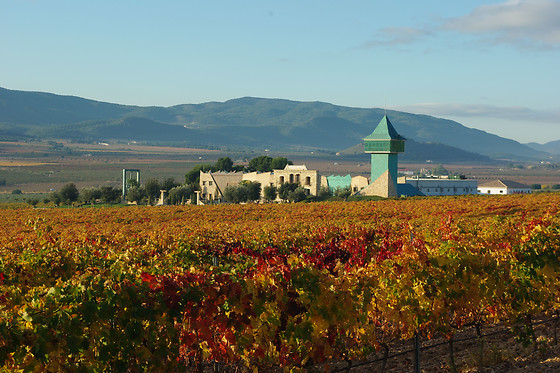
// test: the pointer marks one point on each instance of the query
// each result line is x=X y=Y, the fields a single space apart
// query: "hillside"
x=552 y=147
x=244 y=122
x=422 y=152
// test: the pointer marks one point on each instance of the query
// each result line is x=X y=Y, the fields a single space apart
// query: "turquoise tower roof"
x=384 y=139
x=384 y=131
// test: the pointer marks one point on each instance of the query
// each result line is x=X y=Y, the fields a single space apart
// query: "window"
x=308 y=180
x=281 y=179
x=204 y=183
x=297 y=179
x=291 y=178
x=210 y=183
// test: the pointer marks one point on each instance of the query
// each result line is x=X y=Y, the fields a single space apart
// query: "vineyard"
x=263 y=287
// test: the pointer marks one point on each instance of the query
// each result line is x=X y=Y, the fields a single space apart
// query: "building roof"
x=384 y=131
x=408 y=190
x=296 y=167
x=504 y=184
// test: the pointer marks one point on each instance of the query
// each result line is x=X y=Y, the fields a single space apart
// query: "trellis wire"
x=417 y=348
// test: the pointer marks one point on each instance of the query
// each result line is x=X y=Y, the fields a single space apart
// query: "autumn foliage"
x=262 y=286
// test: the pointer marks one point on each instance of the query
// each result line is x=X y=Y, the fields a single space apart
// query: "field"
x=271 y=287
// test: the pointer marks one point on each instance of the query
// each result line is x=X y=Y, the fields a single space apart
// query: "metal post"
x=416 y=353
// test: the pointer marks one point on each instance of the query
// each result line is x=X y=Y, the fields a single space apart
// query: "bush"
x=17 y=191
x=297 y=195
x=285 y=190
x=270 y=193
x=244 y=192
x=343 y=193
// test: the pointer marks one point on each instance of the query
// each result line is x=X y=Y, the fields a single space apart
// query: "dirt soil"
x=501 y=353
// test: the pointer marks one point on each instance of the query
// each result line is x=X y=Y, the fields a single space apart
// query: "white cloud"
x=392 y=36
x=514 y=113
x=531 y=24
x=526 y=23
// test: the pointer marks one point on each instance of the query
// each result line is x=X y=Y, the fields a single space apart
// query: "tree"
x=270 y=192
x=132 y=183
x=285 y=190
x=440 y=170
x=297 y=195
x=152 y=189
x=193 y=176
x=168 y=184
x=90 y=195
x=279 y=163
x=260 y=164
x=69 y=193
x=324 y=191
x=180 y=194
x=236 y=194
x=343 y=193
x=135 y=194
x=224 y=164
x=110 y=195
x=55 y=198
x=253 y=190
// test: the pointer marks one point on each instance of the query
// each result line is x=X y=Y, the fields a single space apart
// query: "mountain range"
x=250 y=122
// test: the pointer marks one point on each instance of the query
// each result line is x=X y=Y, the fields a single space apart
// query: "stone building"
x=213 y=184
x=299 y=174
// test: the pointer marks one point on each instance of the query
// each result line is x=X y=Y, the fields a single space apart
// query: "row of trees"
x=151 y=191
x=248 y=191
x=262 y=163
x=69 y=194
x=145 y=194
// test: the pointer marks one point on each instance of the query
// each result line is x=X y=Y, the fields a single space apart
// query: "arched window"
x=281 y=179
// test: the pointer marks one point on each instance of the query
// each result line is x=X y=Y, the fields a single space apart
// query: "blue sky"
x=492 y=65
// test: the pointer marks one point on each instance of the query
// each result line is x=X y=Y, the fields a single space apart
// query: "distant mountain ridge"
x=552 y=147
x=243 y=122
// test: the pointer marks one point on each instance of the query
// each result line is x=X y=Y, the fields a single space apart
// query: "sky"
x=491 y=65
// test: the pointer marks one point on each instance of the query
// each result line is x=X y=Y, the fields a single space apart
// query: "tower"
x=383 y=144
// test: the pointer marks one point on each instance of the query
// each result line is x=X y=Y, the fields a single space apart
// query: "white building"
x=443 y=187
x=503 y=187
